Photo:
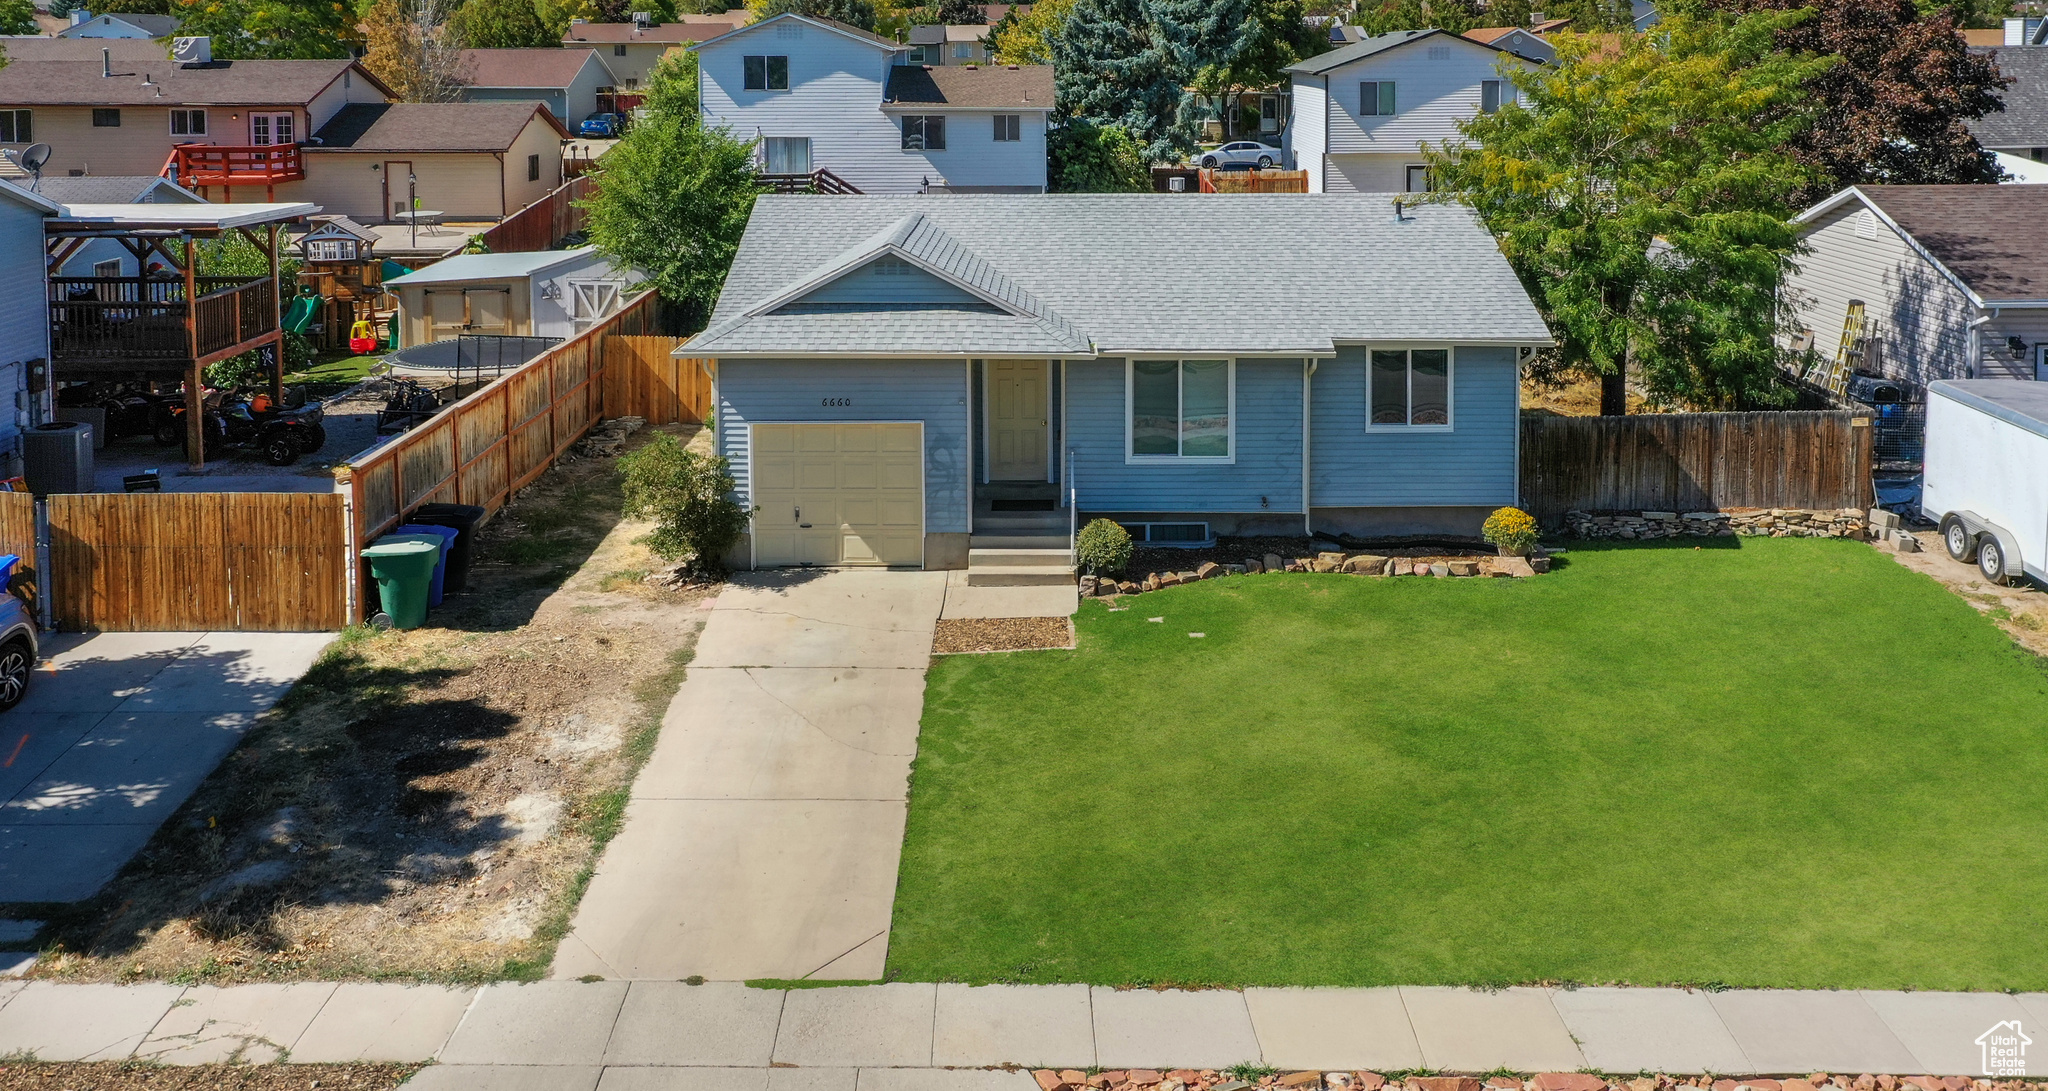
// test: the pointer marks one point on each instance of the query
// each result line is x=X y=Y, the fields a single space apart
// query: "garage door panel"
x=858 y=486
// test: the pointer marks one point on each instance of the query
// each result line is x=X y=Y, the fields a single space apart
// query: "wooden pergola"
x=175 y=323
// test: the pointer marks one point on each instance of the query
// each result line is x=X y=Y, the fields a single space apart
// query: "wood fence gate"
x=642 y=379
x=1696 y=461
x=189 y=562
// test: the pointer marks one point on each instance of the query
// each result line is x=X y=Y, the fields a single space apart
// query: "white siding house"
x=24 y=317
x=1931 y=264
x=1363 y=112
x=818 y=95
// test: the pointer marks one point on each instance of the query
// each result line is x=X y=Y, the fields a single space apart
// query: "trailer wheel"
x=1991 y=559
x=1962 y=545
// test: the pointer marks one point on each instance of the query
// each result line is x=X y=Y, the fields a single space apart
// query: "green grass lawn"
x=336 y=371
x=1783 y=763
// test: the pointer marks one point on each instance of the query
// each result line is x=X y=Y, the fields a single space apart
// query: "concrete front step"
x=1018 y=523
x=1018 y=575
x=1017 y=541
x=1058 y=557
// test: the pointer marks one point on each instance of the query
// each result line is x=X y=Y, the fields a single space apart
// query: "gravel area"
x=1001 y=634
x=130 y=1076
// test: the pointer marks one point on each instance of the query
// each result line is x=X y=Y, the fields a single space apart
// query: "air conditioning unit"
x=57 y=457
x=192 y=51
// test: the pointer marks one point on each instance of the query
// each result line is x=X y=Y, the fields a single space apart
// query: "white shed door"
x=839 y=494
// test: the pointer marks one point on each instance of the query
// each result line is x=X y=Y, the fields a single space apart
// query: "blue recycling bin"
x=447 y=536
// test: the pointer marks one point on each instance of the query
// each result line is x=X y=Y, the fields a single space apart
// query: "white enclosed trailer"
x=1986 y=474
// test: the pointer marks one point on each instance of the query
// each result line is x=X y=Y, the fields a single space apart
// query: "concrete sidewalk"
x=117 y=731
x=667 y=1034
x=763 y=836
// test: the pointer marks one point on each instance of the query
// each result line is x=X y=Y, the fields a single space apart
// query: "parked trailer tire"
x=1962 y=545
x=1991 y=559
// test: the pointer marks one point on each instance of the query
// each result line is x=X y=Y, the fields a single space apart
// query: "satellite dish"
x=33 y=157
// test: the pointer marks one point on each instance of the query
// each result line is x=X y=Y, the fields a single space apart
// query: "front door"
x=1017 y=420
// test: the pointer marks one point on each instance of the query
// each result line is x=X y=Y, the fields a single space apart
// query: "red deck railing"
x=235 y=165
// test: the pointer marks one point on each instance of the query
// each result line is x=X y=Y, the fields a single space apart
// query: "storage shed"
x=548 y=293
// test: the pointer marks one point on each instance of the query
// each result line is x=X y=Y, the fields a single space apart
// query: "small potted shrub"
x=1102 y=548
x=1513 y=530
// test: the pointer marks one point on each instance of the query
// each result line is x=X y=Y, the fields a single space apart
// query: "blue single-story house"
x=906 y=380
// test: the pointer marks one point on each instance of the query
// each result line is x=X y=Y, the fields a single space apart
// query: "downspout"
x=967 y=371
x=1308 y=371
x=503 y=183
x=1975 y=353
x=1323 y=157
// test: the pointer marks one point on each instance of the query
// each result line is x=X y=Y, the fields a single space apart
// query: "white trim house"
x=1362 y=113
x=1057 y=351
x=817 y=94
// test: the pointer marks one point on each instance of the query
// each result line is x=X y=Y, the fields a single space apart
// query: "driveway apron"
x=762 y=838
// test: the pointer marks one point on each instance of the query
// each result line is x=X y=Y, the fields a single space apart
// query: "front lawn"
x=1783 y=762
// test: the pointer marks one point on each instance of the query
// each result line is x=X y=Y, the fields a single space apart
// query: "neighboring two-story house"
x=565 y=80
x=631 y=50
x=1363 y=112
x=119 y=25
x=819 y=94
x=942 y=44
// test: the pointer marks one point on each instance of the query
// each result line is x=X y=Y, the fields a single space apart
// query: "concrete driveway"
x=117 y=731
x=763 y=837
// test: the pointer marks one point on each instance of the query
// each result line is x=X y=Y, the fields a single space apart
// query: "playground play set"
x=341 y=281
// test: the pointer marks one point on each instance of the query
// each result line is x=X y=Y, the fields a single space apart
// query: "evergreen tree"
x=1131 y=63
x=962 y=13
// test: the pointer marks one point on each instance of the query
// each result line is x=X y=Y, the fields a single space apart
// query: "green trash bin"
x=403 y=566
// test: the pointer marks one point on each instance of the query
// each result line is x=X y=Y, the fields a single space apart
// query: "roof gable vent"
x=1866 y=224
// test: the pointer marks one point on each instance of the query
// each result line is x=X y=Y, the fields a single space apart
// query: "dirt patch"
x=424 y=804
x=2021 y=610
x=1573 y=398
x=129 y=1076
x=1001 y=634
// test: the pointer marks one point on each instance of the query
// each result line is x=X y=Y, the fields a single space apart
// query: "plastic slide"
x=301 y=313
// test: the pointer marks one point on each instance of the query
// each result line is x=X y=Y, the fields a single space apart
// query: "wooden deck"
x=128 y=324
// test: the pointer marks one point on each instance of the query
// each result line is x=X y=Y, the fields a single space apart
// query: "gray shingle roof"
x=1379 y=43
x=1112 y=273
x=1011 y=87
x=110 y=189
x=429 y=126
x=68 y=72
x=2024 y=121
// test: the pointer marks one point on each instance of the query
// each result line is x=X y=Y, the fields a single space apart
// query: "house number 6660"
x=835 y=401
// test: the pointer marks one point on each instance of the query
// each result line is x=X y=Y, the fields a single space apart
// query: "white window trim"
x=1230 y=407
x=1450 y=387
x=171 y=124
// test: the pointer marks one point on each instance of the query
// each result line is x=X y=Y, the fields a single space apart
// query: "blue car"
x=601 y=125
x=17 y=639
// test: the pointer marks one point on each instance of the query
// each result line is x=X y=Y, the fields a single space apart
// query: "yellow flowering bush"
x=1512 y=529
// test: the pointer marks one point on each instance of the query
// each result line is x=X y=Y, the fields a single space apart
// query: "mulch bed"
x=130 y=1076
x=1001 y=634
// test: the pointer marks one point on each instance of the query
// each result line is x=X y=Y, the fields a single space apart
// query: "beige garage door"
x=839 y=494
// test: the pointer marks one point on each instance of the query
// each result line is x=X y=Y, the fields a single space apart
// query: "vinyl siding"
x=1432 y=96
x=1268 y=446
x=140 y=144
x=932 y=391
x=640 y=59
x=1305 y=137
x=835 y=99
x=24 y=314
x=1369 y=173
x=350 y=88
x=1996 y=360
x=463 y=185
x=1472 y=464
x=538 y=138
x=1916 y=318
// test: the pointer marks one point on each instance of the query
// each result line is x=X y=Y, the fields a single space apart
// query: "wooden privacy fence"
x=495 y=442
x=1696 y=462
x=251 y=561
x=544 y=223
x=643 y=379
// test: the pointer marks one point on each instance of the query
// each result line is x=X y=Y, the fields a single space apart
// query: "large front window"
x=1410 y=388
x=1180 y=408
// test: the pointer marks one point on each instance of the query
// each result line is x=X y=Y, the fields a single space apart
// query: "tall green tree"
x=962 y=13
x=1082 y=157
x=1277 y=35
x=504 y=24
x=673 y=199
x=672 y=85
x=1028 y=38
x=1897 y=109
x=18 y=17
x=271 y=29
x=1130 y=63
x=854 y=13
x=1642 y=192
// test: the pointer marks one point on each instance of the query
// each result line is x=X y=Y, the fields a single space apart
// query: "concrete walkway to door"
x=762 y=839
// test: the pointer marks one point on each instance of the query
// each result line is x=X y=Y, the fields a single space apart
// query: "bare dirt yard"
x=131 y=1076
x=424 y=804
x=2021 y=611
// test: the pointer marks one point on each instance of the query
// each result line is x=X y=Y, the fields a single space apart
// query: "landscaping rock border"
x=1353 y=563
x=1137 y=1079
x=1748 y=522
